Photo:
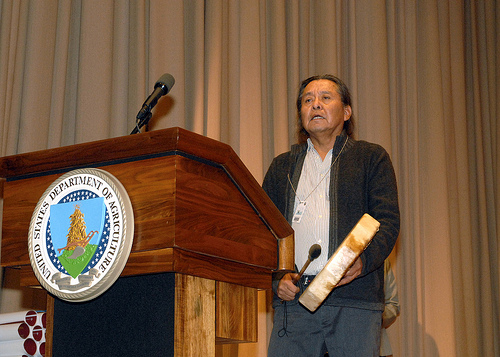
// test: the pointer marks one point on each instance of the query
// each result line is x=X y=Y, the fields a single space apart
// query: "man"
x=323 y=186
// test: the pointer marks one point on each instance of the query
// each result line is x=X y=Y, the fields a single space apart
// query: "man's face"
x=322 y=110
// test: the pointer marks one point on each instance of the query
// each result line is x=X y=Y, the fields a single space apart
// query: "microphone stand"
x=141 y=122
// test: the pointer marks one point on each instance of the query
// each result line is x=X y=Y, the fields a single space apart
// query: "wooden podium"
x=205 y=235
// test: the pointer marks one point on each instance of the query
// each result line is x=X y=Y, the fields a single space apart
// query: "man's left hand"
x=353 y=272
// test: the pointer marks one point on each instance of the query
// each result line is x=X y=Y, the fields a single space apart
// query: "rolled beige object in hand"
x=340 y=262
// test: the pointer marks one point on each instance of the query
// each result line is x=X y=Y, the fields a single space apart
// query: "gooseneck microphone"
x=314 y=252
x=162 y=87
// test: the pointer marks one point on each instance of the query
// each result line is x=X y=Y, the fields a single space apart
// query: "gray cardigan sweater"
x=361 y=181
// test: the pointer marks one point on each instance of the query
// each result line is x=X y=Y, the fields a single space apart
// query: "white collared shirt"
x=313 y=187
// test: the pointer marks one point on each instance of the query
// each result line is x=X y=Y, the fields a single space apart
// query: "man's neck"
x=324 y=141
x=323 y=146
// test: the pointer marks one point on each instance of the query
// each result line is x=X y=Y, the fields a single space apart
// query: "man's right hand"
x=286 y=288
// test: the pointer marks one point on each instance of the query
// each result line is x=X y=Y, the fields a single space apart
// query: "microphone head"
x=314 y=251
x=166 y=82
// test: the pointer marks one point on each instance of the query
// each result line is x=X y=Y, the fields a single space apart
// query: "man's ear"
x=347 y=112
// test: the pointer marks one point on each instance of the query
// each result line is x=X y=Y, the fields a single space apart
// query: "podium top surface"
x=132 y=147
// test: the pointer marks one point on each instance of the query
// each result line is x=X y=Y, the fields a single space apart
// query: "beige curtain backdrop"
x=424 y=75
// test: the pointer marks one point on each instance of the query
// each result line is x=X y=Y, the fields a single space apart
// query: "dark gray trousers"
x=340 y=331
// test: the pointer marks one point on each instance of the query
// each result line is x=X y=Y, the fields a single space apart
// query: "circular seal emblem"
x=81 y=234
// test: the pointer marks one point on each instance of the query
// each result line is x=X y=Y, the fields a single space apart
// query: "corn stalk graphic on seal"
x=76 y=249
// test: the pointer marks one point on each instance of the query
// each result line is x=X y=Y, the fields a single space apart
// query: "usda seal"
x=81 y=234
